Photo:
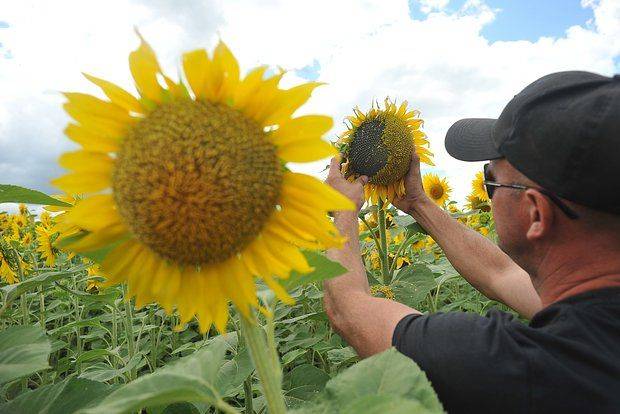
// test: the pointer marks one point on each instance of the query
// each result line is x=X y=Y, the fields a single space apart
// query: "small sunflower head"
x=379 y=145
x=477 y=187
x=436 y=188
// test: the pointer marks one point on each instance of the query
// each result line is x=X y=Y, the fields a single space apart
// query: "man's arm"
x=477 y=259
x=365 y=322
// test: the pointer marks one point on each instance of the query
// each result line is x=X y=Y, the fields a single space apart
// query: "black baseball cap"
x=562 y=131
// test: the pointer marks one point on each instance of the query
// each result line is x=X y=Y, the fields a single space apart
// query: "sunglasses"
x=491 y=185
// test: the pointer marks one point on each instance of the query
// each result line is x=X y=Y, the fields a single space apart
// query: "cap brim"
x=471 y=140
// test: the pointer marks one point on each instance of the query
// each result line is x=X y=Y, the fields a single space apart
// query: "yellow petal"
x=306 y=151
x=287 y=253
x=144 y=69
x=83 y=182
x=91 y=141
x=99 y=239
x=96 y=107
x=302 y=128
x=94 y=213
x=86 y=161
x=225 y=63
x=288 y=101
x=97 y=124
x=196 y=66
x=117 y=95
x=248 y=87
x=315 y=189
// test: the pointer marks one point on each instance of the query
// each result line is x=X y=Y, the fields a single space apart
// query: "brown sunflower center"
x=196 y=181
x=381 y=149
x=436 y=191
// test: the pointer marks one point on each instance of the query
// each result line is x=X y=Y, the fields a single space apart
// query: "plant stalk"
x=383 y=254
x=269 y=376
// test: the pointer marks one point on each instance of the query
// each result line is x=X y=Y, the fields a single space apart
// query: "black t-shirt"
x=567 y=360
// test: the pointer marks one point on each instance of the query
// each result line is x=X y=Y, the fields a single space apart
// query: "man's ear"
x=540 y=213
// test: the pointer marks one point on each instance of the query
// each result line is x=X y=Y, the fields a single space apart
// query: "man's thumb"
x=362 y=180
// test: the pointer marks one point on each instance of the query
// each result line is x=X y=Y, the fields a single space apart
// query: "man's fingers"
x=362 y=179
x=334 y=166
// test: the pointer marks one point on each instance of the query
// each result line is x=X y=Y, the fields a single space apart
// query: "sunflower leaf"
x=324 y=268
x=23 y=351
x=15 y=194
x=386 y=382
x=64 y=397
x=199 y=377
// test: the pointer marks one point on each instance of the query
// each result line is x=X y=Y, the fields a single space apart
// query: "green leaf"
x=413 y=283
x=66 y=397
x=194 y=378
x=16 y=290
x=303 y=383
x=23 y=351
x=409 y=223
x=386 y=382
x=324 y=268
x=14 y=194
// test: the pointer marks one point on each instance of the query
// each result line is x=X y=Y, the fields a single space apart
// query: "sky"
x=450 y=59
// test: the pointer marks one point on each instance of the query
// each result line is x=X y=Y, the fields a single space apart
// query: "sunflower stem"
x=129 y=333
x=385 y=267
x=270 y=377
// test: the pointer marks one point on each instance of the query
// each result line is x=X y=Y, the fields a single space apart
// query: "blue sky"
x=524 y=19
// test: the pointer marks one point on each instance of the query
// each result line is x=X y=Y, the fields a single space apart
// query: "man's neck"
x=577 y=275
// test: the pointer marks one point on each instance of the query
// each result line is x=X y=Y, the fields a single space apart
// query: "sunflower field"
x=181 y=268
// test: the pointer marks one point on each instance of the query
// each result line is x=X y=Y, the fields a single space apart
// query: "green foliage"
x=387 y=381
x=103 y=356
x=65 y=397
x=323 y=269
x=23 y=351
x=14 y=194
x=205 y=376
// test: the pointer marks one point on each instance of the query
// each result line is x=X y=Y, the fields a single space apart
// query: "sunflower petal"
x=288 y=101
x=83 y=182
x=306 y=151
x=196 y=65
x=94 y=213
x=315 y=189
x=144 y=69
x=91 y=141
x=117 y=95
x=303 y=128
x=225 y=63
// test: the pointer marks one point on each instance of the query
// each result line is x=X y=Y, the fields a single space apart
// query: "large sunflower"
x=436 y=188
x=188 y=186
x=379 y=144
x=477 y=187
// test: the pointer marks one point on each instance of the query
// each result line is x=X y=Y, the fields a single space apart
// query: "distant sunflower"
x=189 y=189
x=59 y=225
x=46 y=220
x=477 y=187
x=379 y=144
x=475 y=203
x=45 y=246
x=436 y=188
x=6 y=273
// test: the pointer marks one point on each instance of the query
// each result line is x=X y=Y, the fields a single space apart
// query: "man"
x=554 y=180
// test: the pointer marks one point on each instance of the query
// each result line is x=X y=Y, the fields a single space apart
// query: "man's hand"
x=414 y=192
x=353 y=190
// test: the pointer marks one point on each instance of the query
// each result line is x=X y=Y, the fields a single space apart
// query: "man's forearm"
x=349 y=256
x=365 y=322
x=477 y=259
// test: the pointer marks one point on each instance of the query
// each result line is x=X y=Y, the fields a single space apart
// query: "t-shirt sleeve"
x=475 y=363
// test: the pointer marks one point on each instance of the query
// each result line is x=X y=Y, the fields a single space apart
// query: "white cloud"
x=366 y=50
x=427 y=6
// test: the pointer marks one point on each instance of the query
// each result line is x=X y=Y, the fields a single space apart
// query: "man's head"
x=555 y=151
